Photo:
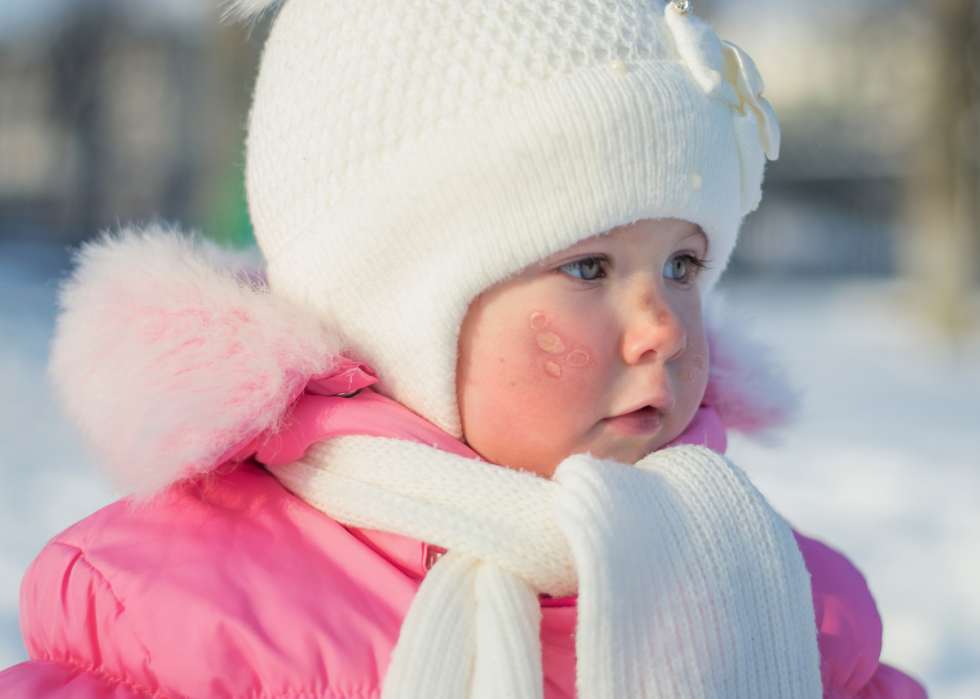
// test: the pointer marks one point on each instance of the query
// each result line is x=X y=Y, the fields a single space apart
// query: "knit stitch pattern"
x=397 y=70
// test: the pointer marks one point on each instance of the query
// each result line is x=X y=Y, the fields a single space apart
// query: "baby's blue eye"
x=676 y=268
x=589 y=269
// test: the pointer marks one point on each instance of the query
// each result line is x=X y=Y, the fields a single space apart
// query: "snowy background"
x=116 y=110
x=884 y=461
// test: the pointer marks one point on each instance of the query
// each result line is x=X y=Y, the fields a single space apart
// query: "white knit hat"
x=406 y=155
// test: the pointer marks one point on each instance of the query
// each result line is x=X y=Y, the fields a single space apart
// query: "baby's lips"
x=662 y=403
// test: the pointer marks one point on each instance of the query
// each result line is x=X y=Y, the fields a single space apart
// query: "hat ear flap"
x=237 y=10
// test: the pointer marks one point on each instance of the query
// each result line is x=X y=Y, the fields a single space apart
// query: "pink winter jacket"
x=225 y=584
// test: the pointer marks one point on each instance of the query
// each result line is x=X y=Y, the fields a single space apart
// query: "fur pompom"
x=746 y=387
x=167 y=361
x=237 y=10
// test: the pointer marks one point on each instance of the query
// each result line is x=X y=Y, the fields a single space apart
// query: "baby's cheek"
x=560 y=360
x=694 y=363
x=693 y=372
x=534 y=393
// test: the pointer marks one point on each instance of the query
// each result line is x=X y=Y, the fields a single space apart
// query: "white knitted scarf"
x=689 y=585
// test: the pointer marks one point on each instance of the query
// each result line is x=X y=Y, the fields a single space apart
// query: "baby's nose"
x=654 y=331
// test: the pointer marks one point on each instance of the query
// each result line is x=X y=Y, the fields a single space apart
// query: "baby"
x=467 y=439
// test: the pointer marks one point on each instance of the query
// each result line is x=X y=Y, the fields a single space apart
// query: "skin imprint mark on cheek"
x=698 y=369
x=578 y=358
x=551 y=343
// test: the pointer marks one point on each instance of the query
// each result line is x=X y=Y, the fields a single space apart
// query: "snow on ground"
x=883 y=463
x=46 y=484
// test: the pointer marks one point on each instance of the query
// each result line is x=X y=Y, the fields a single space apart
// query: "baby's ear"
x=238 y=10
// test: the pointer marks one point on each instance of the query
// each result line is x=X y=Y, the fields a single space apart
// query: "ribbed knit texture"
x=406 y=155
x=689 y=585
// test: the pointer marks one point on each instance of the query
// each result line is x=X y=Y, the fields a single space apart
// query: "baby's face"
x=597 y=349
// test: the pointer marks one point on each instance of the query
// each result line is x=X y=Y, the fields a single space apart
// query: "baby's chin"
x=606 y=442
x=617 y=444
x=629 y=454
x=622 y=450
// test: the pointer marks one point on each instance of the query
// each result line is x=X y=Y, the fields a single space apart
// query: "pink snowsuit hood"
x=220 y=583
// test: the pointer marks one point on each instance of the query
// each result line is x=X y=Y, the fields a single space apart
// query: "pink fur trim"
x=166 y=361
x=746 y=387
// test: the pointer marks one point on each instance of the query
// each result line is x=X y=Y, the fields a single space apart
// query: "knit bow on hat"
x=724 y=71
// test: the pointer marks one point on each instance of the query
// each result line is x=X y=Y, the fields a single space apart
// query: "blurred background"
x=860 y=267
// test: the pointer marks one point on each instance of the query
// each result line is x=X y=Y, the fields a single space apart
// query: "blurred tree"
x=229 y=223
x=111 y=114
x=224 y=209
x=75 y=56
x=941 y=242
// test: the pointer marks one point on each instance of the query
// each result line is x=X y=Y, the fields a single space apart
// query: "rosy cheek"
x=556 y=352
x=693 y=372
x=698 y=363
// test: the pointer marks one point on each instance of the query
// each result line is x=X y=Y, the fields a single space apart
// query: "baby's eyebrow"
x=700 y=236
x=698 y=232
